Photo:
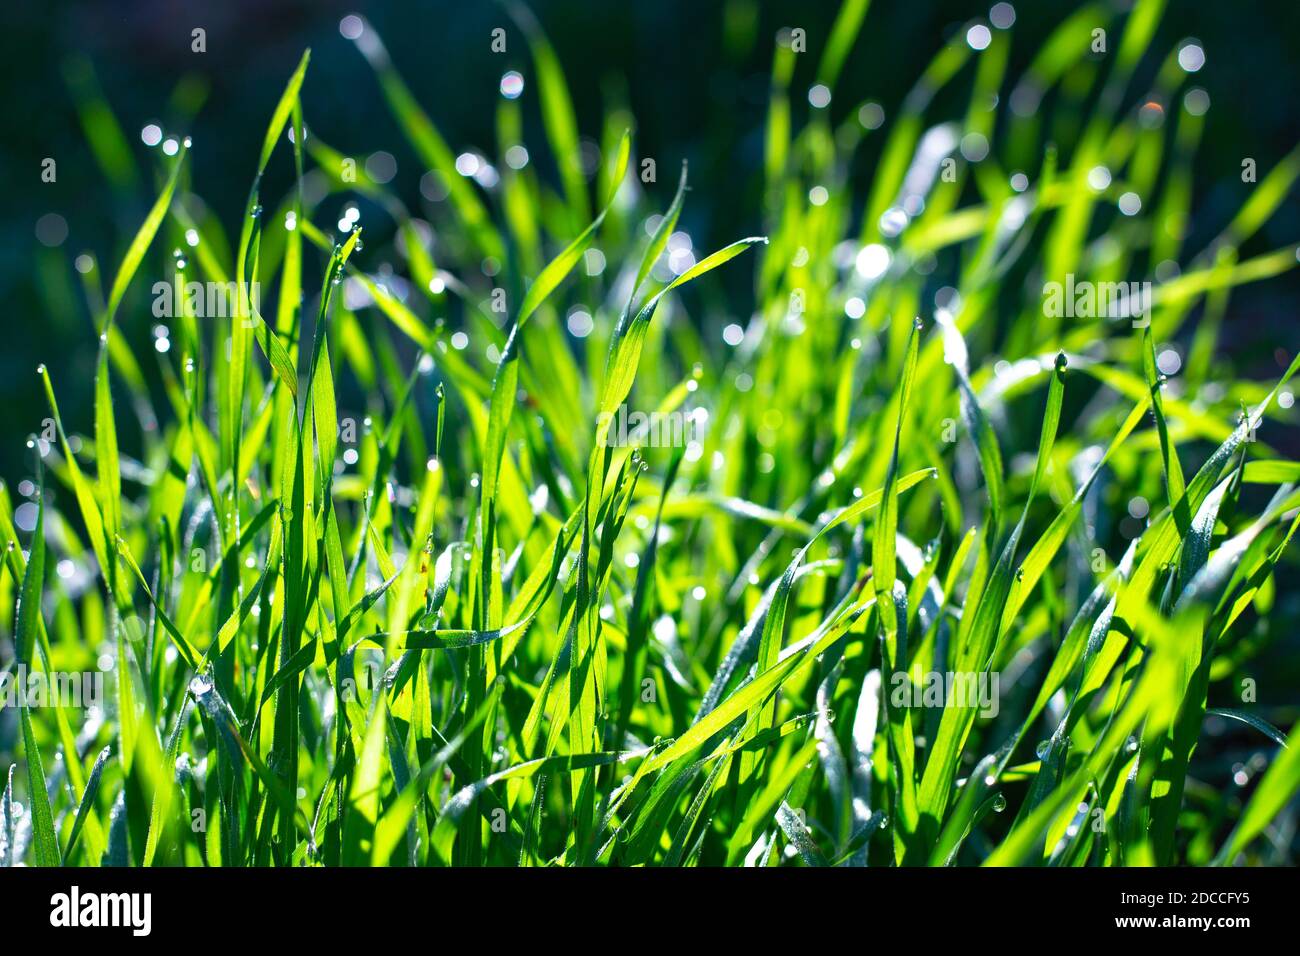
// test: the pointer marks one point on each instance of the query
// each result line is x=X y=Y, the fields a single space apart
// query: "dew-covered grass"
x=374 y=575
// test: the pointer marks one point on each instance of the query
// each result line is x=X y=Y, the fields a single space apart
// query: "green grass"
x=588 y=654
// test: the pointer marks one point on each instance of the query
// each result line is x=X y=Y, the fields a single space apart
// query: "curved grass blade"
x=87 y=804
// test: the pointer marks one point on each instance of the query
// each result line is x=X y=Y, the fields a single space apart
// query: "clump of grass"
x=378 y=588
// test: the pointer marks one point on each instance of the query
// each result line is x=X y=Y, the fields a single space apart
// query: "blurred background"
x=695 y=77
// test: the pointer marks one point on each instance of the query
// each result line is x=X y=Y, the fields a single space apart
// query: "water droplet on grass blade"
x=200 y=685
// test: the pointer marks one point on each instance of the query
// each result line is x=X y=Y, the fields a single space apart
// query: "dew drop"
x=200 y=685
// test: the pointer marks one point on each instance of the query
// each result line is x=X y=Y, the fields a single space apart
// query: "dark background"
x=695 y=75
